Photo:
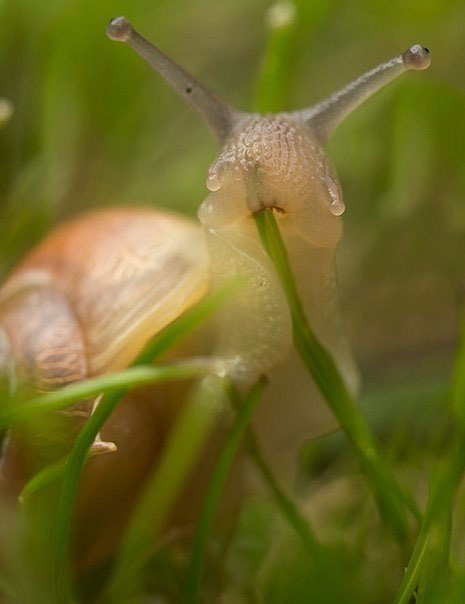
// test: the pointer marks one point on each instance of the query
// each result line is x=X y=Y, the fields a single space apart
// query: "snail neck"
x=254 y=327
x=315 y=274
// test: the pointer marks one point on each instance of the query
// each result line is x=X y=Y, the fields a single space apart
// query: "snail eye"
x=219 y=116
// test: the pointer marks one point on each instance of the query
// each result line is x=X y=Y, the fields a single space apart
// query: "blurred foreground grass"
x=92 y=127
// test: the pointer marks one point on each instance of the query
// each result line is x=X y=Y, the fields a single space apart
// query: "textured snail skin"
x=276 y=161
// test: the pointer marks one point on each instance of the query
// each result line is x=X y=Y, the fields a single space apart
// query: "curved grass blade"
x=285 y=503
x=438 y=504
x=73 y=471
x=433 y=586
x=270 y=95
x=74 y=393
x=393 y=501
x=276 y=72
x=42 y=479
x=426 y=558
x=162 y=490
x=289 y=509
x=173 y=333
x=216 y=484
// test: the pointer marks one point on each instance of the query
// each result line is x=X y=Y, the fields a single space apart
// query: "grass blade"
x=42 y=479
x=434 y=581
x=178 y=458
x=392 y=500
x=275 y=73
x=288 y=508
x=215 y=488
x=74 y=393
x=438 y=505
x=73 y=471
x=429 y=558
x=285 y=503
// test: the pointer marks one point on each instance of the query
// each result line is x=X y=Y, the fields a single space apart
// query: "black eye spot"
x=188 y=89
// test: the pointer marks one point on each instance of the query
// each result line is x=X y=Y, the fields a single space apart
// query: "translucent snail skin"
x=277 y=161
x=87 y=299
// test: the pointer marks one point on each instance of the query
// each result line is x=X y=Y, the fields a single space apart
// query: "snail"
x=89 y=297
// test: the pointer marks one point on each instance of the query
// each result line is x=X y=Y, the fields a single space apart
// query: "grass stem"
x=215 y=487
x=393 y=500
x=178 y=458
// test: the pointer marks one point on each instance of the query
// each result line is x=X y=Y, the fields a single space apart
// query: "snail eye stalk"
x=324 y=117
x=219 y=116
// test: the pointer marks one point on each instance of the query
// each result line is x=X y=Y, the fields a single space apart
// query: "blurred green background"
x=92 y=126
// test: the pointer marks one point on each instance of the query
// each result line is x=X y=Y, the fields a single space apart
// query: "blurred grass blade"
x=215 y=487
x=438 y=505
x=458 y=380
x=42 y=479
x=393 y=501
x=73 y=470
x=286 y=505
x=275 y=73
x=129 y=378
x=433 y=585
x=430 y=555
x=162 y=490
x=288 y=508
x=160 y=344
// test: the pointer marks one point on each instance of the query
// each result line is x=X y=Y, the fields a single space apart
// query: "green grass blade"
x=275 y=72
x=392 y=500
x=430 y=555
x=178 y=458
x=215 y=488
x=73 y=472
x=270 y=95
x=285 y=503
x=438 y=505
x=434 y=581
x=42 y=479
x=288 y=508
x=129 y=378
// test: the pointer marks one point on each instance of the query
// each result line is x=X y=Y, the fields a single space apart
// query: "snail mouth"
x=280 y=212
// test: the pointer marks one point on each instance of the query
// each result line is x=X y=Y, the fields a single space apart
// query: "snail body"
x=88 y=298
